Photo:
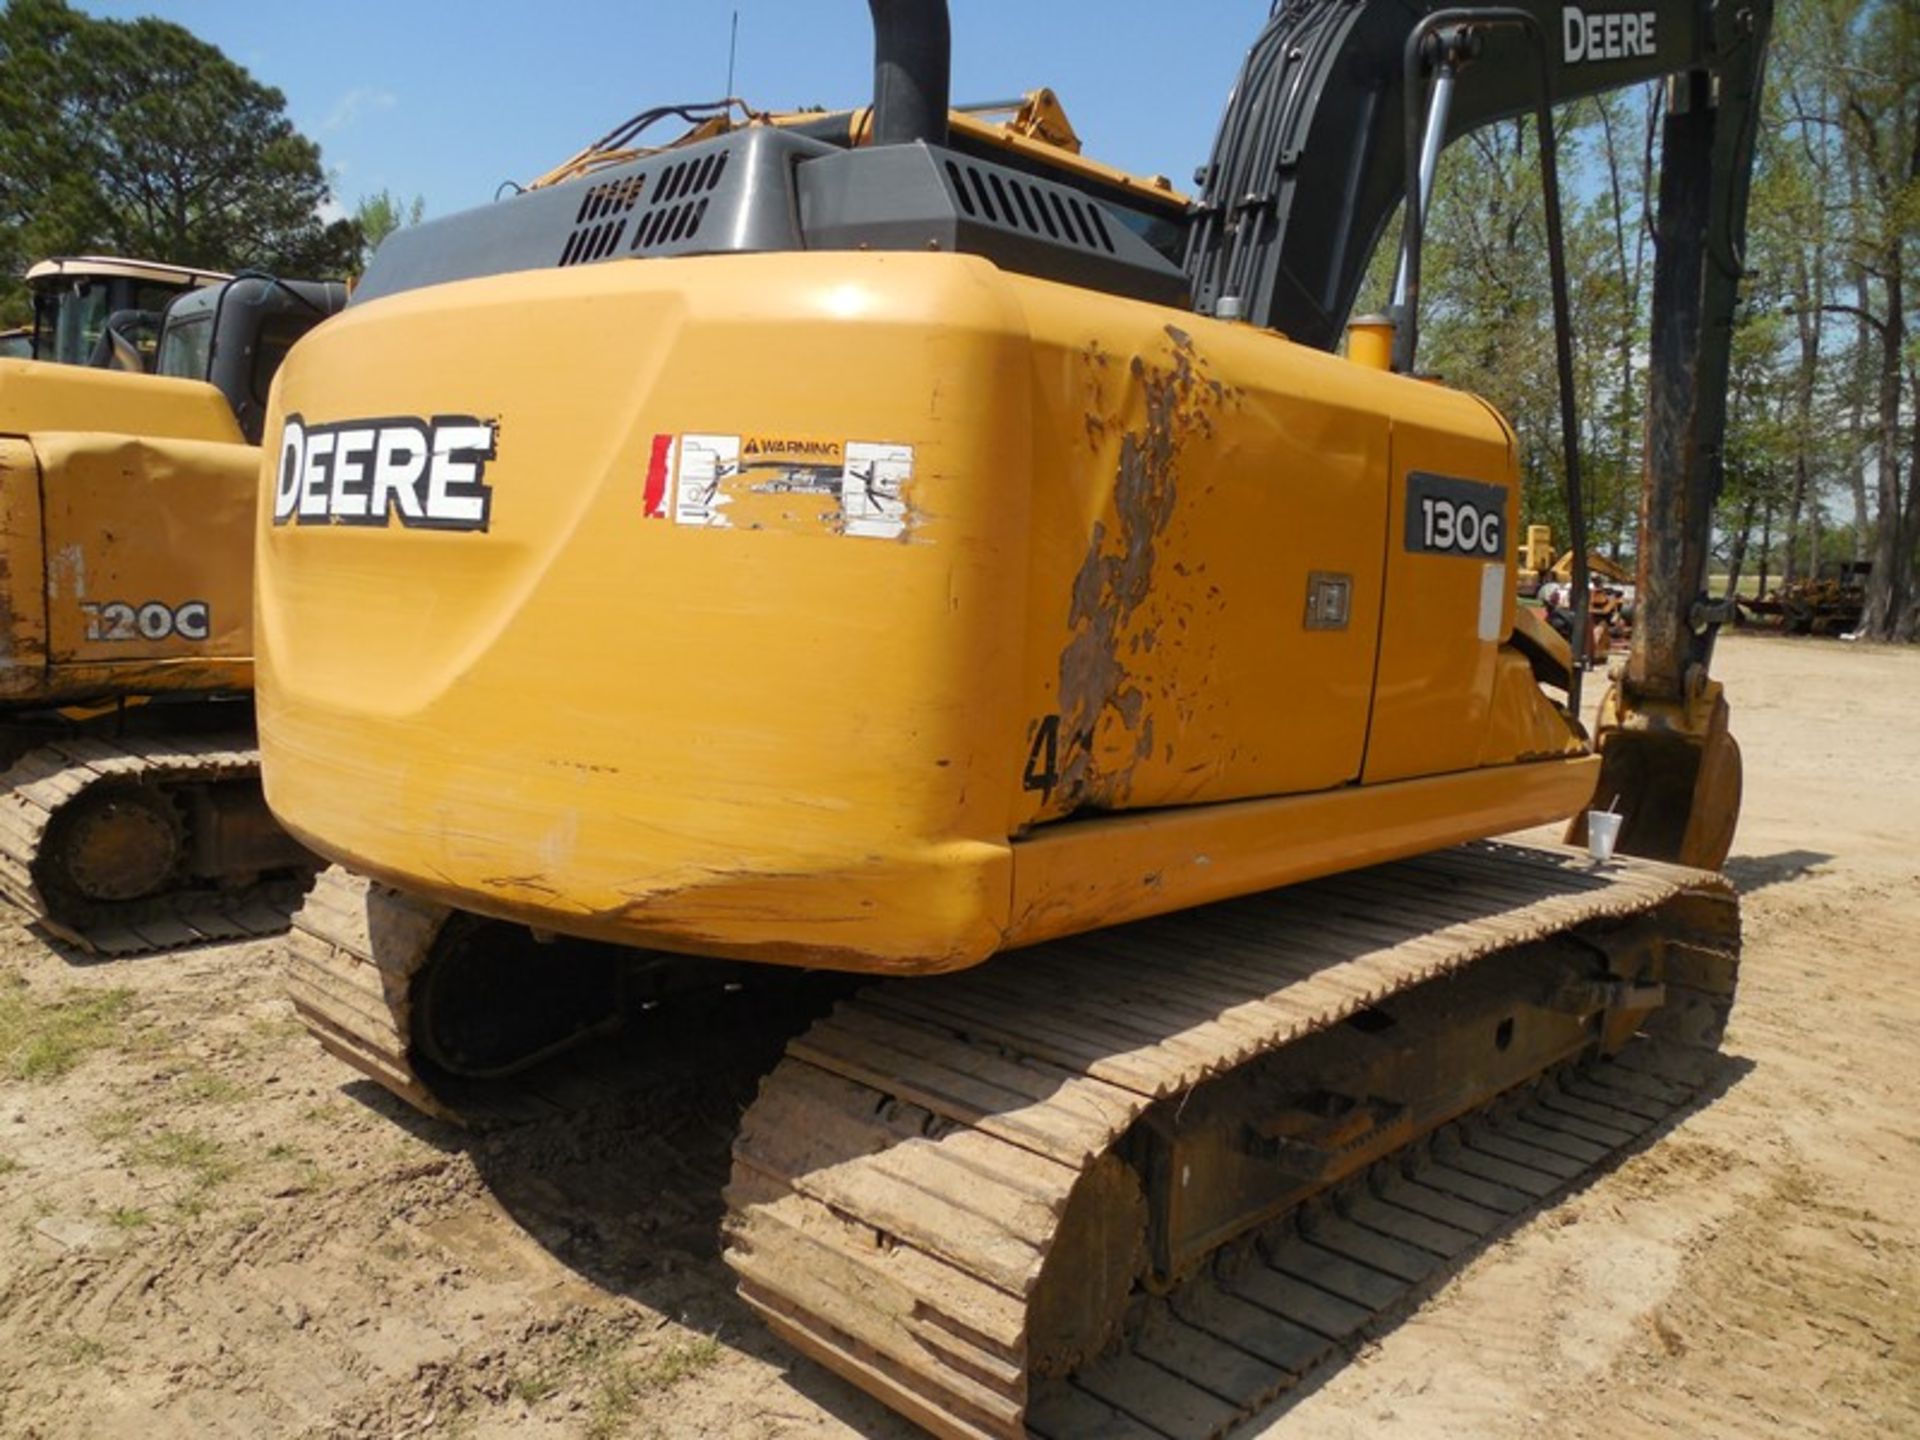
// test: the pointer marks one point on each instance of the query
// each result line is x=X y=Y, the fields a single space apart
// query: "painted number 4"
x=1043 y=756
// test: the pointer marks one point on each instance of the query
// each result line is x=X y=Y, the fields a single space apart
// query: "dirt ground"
x=206 y=1229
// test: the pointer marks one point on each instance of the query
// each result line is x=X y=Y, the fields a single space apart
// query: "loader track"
x=45 y=784
x=917 y=1159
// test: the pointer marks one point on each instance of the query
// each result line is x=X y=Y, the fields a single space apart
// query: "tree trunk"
x=1857 y=422
x=1892 y=560
x=1766 y=534
x=1890 y=584
x=1906 y=625
x=1809 y=319
x=1737 y=553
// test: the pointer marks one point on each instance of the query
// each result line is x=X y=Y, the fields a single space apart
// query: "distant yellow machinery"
x=130 y=809
x=889 y=542
x=104 y=311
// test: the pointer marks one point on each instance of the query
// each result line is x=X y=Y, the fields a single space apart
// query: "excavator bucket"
x=1674 y=773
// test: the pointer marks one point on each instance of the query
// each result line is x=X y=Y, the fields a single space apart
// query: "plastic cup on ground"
x=1603 y=833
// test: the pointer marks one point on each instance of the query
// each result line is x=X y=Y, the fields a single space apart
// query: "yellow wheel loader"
x=130 y=810
x=888 y=542
x=104 y=311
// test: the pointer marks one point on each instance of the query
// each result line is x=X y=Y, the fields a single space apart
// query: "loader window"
x=77 y=316
x=186 y=348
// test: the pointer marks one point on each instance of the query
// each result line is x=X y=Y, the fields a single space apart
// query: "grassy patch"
x=531 y=1387
x=42 y=1039
x=82 y=1350
x=202 y=1156
x=278 y=1028
x=125 y=1217
x=679 y=1360
x=8 y=1165
x=207 y=1087
x=619 y=1384
x=613 y=1381
x=202 y=1162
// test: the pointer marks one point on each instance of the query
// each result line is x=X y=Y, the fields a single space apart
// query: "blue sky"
x=446 y=100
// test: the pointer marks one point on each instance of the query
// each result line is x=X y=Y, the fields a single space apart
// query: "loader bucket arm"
x=1310 y=165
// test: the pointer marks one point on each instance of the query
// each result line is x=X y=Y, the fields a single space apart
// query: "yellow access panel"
x=126 y=505
x=1208 y=512
x=148 y=571
x=1449 y=587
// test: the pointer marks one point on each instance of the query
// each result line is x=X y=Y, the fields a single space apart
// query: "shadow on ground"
x=1756 y=872
x=1715 y=1073
x=615 y=1158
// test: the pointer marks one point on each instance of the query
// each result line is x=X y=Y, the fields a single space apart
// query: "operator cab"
x=104 y=312
x=234 y=335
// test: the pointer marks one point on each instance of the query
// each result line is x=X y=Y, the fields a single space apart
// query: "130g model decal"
x=1446 y=516
x=431 y=474
x=116 y=620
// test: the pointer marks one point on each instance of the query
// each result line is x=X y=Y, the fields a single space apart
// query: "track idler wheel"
x=115 y=843
x=1080 y=1300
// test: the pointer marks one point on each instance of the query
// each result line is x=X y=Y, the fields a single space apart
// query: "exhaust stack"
x=912 y=70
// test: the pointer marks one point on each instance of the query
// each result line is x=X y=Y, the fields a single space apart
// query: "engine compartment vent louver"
x=601 y=222
x=680 y=201
x=1002 y=198
x=677 y=196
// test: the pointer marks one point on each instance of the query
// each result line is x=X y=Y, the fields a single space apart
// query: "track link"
x=46 y=781
x=916 y=1160
x=352 y=956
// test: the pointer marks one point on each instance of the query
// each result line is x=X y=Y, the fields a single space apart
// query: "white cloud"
x=356 y=105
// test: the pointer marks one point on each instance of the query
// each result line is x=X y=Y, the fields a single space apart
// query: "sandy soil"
x=206 y=1229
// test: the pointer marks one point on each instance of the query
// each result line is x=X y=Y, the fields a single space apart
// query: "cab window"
x=186 y=347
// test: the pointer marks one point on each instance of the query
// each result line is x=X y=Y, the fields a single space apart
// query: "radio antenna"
x=733 y=48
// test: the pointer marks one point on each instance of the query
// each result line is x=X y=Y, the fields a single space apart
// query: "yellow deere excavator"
x=130 y=809
x=888 y=542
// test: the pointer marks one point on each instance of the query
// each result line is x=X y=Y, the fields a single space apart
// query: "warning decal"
x=707 y=462
x=759 y=482
x=794 y=449
x=870 y=491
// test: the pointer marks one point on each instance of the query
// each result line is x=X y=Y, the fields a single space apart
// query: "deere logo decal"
x=1606 y=34
x=431 y=474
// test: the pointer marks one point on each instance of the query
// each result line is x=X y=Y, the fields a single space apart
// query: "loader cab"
x=104 y=312
x=16 y=344
x=235 y=334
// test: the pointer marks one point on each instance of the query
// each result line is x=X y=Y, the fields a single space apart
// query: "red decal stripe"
x=657 y=477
